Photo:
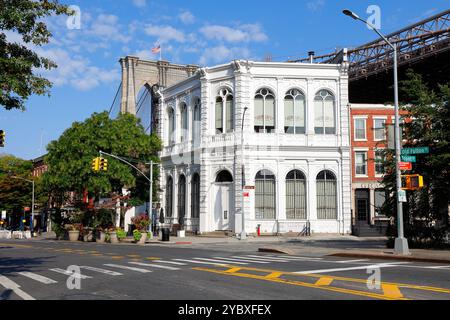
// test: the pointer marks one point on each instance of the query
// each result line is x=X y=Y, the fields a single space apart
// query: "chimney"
x=311 y=56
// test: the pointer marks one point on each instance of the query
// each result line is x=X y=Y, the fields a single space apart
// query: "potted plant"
x=74 y=232
x=137 y=235
x=88 y=234
x=121 y=234
x=142 y=223
x=113 y=235
x=103 y=220
x=101 y=235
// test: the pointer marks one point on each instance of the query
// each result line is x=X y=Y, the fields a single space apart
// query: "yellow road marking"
x=324 y=281
x=391 y=291
x=153 y=258
x=273 y=275
x=302 y=284
x=133 y=256
x=117 y=257
x=233 y=270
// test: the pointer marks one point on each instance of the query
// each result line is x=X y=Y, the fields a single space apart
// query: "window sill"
x=360 y=140
x=361 y=176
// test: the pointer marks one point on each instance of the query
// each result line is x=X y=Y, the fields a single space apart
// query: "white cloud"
x=165 y=33
x=106 y=27
x=315 y=5
x=221 y=54
x=140 y=3
x=242 y=33
x=186 y=17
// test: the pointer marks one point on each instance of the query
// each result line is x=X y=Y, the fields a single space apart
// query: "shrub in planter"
x=121 y=234
x=141 y=222
x=137 y=235
x=74 y=231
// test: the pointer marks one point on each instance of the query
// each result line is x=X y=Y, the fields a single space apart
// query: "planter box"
x=181 y=233
x=101 y=237
x=74 y=235
x=143 y=238
x=113 y=237
x=88 y=236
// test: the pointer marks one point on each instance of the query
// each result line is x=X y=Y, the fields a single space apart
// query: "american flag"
x=157 y=49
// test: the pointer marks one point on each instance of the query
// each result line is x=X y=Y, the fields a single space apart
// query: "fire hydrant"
x=258 y=230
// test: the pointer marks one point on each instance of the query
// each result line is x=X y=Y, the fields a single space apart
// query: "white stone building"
x=295 y=163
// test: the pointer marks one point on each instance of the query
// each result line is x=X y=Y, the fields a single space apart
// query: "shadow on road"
x=10 y=265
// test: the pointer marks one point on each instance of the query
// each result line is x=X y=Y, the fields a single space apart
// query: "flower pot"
x=101 y=237
x=143 y=238
x=113 y=237
x=88 y=236
x=181 y=233
x=74 y=235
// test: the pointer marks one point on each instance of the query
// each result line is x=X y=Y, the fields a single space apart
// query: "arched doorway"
x=223 y=201
x=181 y=200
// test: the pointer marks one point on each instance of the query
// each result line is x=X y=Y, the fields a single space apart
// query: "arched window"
x=265 y=195
x=196 y=125
x=184 y=122
x=224 y=176
x=294 y=112
x=195 y=196
x=264 y=111
x=326 y=195
x=325 y=113
x=169 y=197
x=171 y=117
x=224 y=120
x=181 y=199
x=295 y=195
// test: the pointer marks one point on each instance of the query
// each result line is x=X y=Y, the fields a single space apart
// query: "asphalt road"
x=39 y=270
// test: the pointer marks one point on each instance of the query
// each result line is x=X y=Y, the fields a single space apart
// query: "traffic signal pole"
x=149 y=178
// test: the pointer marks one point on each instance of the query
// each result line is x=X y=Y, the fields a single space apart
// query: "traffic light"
x=2 y=138
x=96 y=164
x=103 y=164
x=412 y=182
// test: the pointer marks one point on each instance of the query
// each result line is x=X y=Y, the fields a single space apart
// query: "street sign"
x=405 y=166
x=402 y=196
x=3 y=215
x=409 y=158
x=419 y=150
x=249 y=187
x=246 y=194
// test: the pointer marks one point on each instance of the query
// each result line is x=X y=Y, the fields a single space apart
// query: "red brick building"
x=368 y=137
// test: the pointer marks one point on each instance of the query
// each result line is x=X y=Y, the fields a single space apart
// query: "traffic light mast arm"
x=126 y=162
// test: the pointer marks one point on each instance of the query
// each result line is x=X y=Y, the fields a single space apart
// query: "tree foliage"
x=70 y=157
x=426 y=214
x=18 y=62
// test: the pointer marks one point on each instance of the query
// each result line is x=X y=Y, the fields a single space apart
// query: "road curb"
x=388 y=257
x=276 y=250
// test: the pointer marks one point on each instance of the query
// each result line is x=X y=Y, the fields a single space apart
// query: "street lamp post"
x=243 y=233
x=401 y=243
x=32 y=201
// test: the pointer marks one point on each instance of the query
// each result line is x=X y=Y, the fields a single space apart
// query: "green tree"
x=426 y=214
x=19 y=64
x=70 y=158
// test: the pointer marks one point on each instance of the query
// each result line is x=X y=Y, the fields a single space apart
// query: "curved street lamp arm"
x=126 y=162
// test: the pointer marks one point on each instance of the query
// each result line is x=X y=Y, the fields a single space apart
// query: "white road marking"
x=154 y=265
x=38 y=277
x=128 y=268
x=104 y=271
x=11 y=285
x=351 y=261
x=262 y=258
x=240 y=260
x=68 y=273
x=171 y=262
x=220 y=261
x=201 y=262
x=380 y=265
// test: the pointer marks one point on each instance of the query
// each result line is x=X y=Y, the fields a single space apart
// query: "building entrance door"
x=362 y=206
x=223 y=207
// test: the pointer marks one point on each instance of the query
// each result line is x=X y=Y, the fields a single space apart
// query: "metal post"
x=401 y=244
x=243 y=233
x=32 y=212
x=150 y=204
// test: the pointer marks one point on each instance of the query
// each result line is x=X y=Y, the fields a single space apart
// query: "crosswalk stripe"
x=153 y=265
x=439 y=267
x=241 y=260
x=171 y=262
x=220 y=261
x=104 y=271
x=9 y=284
x=37 y=277
x=261 y=259
x=128 y=268
x=200 y=262
x=68 y=273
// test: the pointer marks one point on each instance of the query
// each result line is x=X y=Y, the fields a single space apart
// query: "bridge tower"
x=138 y=74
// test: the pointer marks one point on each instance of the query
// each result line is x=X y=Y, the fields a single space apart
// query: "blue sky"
x=190 y=32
